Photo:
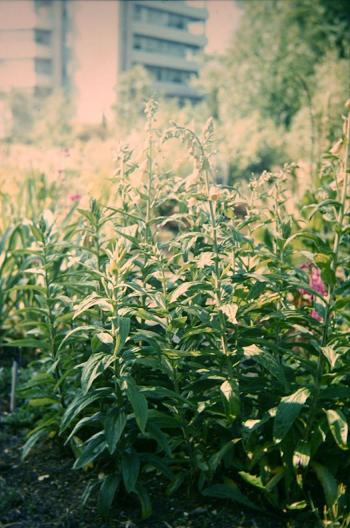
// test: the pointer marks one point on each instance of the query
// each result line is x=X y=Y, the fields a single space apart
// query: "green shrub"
x=208 y=345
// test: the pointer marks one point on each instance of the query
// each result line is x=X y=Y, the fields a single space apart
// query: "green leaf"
x=27 y=343
x=38 y=402
x=328 y=482
x=230 y=491
x=32 y=440
x=316 y=207
x=300 y=505
x=230 y=394
x=339 y=428
x=102 y=341
x=266 y=360
x=185 y=286
x=138 y=403
x=105 y=338
x=275 y=479
x=107 y=492
x=114 y=426
x=146 y=506
x=92 y=369
x=180 y=290
x=157 y=434
x=252 y=479
x=335 y=392
x=91 y=450
x=91 y=301
x=287 y=412
x=215 y=459
x=331 y=355
x=157 y=462
x=79 y=403
x=301 y=456
x=83 y=328
x=123 y=332
x=130 y=466
x=86 y=420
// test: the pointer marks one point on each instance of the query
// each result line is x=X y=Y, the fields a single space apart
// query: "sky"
x=95 y=50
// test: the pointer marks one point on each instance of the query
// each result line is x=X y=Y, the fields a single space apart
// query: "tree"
x=282 y=55
x=37 y=119
x=134 y=88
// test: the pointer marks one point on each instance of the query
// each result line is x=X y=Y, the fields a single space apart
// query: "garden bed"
x=45 y=492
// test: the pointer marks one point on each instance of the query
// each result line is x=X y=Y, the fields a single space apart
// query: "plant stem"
x=343 y=167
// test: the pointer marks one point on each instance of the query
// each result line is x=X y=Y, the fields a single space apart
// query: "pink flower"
x=315 y=315
x=315 y=281
x=75 y=197
x=305 y=265
x=317 y=284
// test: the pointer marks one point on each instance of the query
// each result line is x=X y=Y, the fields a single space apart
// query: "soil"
x=44 y=492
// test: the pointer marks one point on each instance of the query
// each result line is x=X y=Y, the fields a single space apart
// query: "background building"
x=35 y=45
x=166 y=37
x=83 y=45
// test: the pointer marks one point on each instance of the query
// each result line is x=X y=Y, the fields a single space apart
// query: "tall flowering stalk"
x=198 y=148
x=342 y=178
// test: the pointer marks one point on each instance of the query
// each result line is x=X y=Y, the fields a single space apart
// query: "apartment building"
x=166 y=37
x=35 y=45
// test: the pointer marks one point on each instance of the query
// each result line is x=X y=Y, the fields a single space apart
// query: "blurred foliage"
x=31 y=118
x=275 y=94
x=133 y=90
x=188 y=332
x=276 y=50
x=278 y=91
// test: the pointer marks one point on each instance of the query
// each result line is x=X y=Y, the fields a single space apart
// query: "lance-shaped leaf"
x=231 y=400
x=339 y=428
x=287 y=411
x=331 y=355
x=138 y=403
x=265 y=360
x=130 y=466
x=91 y=301
x=328 y=482
x=107 y=491
x=114 y=426
x=229 y=490
x=123 y=332
x=301 y=456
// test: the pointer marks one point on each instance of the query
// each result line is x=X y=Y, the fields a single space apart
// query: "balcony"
x=178 y=8
x=171 y=89
x=165 y=61
x=166 y=33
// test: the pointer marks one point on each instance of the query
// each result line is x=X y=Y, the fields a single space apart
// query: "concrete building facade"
x=166 y=37
x=35 y=45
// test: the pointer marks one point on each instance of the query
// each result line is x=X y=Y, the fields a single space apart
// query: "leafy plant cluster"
x=187 y=332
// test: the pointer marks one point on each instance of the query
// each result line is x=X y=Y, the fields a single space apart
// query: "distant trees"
x=132 y=91
x=287 y=68
x=32 y=118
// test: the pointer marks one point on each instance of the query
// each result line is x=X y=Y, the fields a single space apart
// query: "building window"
x=149 y=15
x=43 y=66
x=171 y=75
x=177 y=21
x=164 y=47
x=42 y=36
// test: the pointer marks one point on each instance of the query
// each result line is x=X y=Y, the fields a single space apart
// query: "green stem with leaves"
x=343 y=169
